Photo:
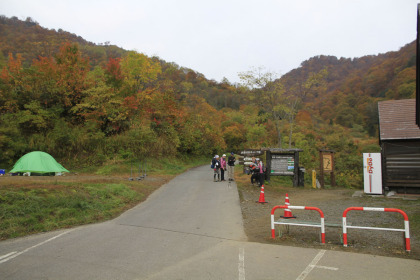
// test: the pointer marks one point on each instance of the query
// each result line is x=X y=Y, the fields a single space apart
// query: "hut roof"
x=397 y=120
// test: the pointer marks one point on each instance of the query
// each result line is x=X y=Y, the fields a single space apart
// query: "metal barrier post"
x=406 y=229
x=321 y=225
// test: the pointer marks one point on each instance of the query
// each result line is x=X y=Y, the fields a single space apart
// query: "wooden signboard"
x=327 y=162
x=246 y=158
x=326 y=159
x=283 y=162
x=251 y=153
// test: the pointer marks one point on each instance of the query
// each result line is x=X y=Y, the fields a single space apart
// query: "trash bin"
x=301 y=175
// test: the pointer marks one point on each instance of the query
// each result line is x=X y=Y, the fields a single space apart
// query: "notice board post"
x=247 y=157
x=283 y=162
x=326 y=162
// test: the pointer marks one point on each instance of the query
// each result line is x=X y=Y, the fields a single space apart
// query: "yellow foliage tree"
x=139 y=71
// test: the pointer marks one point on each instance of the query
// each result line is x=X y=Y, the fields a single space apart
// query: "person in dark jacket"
x=231 y=166
x=253 y=168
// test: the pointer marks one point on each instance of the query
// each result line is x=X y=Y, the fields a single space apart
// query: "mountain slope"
x=353 y=86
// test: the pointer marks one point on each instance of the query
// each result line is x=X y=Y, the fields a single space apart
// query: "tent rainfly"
x=37 y=162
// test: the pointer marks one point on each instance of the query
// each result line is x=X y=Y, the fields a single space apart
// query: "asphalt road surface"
x=191 y=228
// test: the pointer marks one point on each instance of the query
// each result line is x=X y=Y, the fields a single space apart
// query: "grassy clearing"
x=166 y=166
x=33 y=209
x=37 y=204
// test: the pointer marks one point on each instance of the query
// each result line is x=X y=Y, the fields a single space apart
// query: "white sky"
x=221 y=38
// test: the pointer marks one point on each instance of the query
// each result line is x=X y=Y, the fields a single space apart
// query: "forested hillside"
x=87 y=104
x=353 y=86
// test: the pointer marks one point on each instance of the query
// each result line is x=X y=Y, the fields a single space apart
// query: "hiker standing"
x=216 y=166
x=223 y=167
x=254 y=171
x=231 y=166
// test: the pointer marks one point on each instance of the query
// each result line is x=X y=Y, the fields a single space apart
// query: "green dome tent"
x=37 y=162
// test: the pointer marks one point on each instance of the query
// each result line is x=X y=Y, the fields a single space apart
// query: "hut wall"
x=401 y=164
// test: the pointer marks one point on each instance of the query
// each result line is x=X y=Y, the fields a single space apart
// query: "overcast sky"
x=220 y=38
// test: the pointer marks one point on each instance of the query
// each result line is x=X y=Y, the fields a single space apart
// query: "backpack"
x=213 y=163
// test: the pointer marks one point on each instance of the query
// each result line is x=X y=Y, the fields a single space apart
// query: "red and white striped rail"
x=321 y=225
x=406 y=224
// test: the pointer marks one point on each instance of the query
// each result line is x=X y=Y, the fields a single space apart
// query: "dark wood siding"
x=401 y=161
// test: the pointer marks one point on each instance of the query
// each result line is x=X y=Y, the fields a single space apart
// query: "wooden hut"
x=399 y=137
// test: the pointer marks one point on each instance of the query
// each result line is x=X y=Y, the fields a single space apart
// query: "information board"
x=282 y=164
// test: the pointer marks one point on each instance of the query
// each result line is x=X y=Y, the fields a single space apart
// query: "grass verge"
x=30 y=205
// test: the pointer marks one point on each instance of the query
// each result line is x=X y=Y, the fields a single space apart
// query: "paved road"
x=191 y=228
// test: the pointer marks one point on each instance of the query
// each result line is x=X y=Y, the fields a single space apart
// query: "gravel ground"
x=332 y=202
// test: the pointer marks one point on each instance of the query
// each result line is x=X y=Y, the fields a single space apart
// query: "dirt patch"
x=332 y=202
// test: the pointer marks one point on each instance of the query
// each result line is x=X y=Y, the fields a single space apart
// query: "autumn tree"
x=312 y=87
x=11 y=83
x=45 y=82
x=267 y=93
x=113 y=73
x=101 y=105
x=72 y=69
x=139 y=71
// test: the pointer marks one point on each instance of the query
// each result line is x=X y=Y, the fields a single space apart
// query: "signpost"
x=314 y=179
x=372 y=173
x=326 y=158
x=247 y=157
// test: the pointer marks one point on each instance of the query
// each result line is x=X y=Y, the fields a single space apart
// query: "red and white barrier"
x=406 y=224
x=321 y=225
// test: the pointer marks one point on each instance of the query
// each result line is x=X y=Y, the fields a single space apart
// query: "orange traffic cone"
x=262 y=199
x=287 y=212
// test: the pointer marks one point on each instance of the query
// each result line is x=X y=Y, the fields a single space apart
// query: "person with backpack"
x=254 y=171
x=215 y=164
x=231 y=166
